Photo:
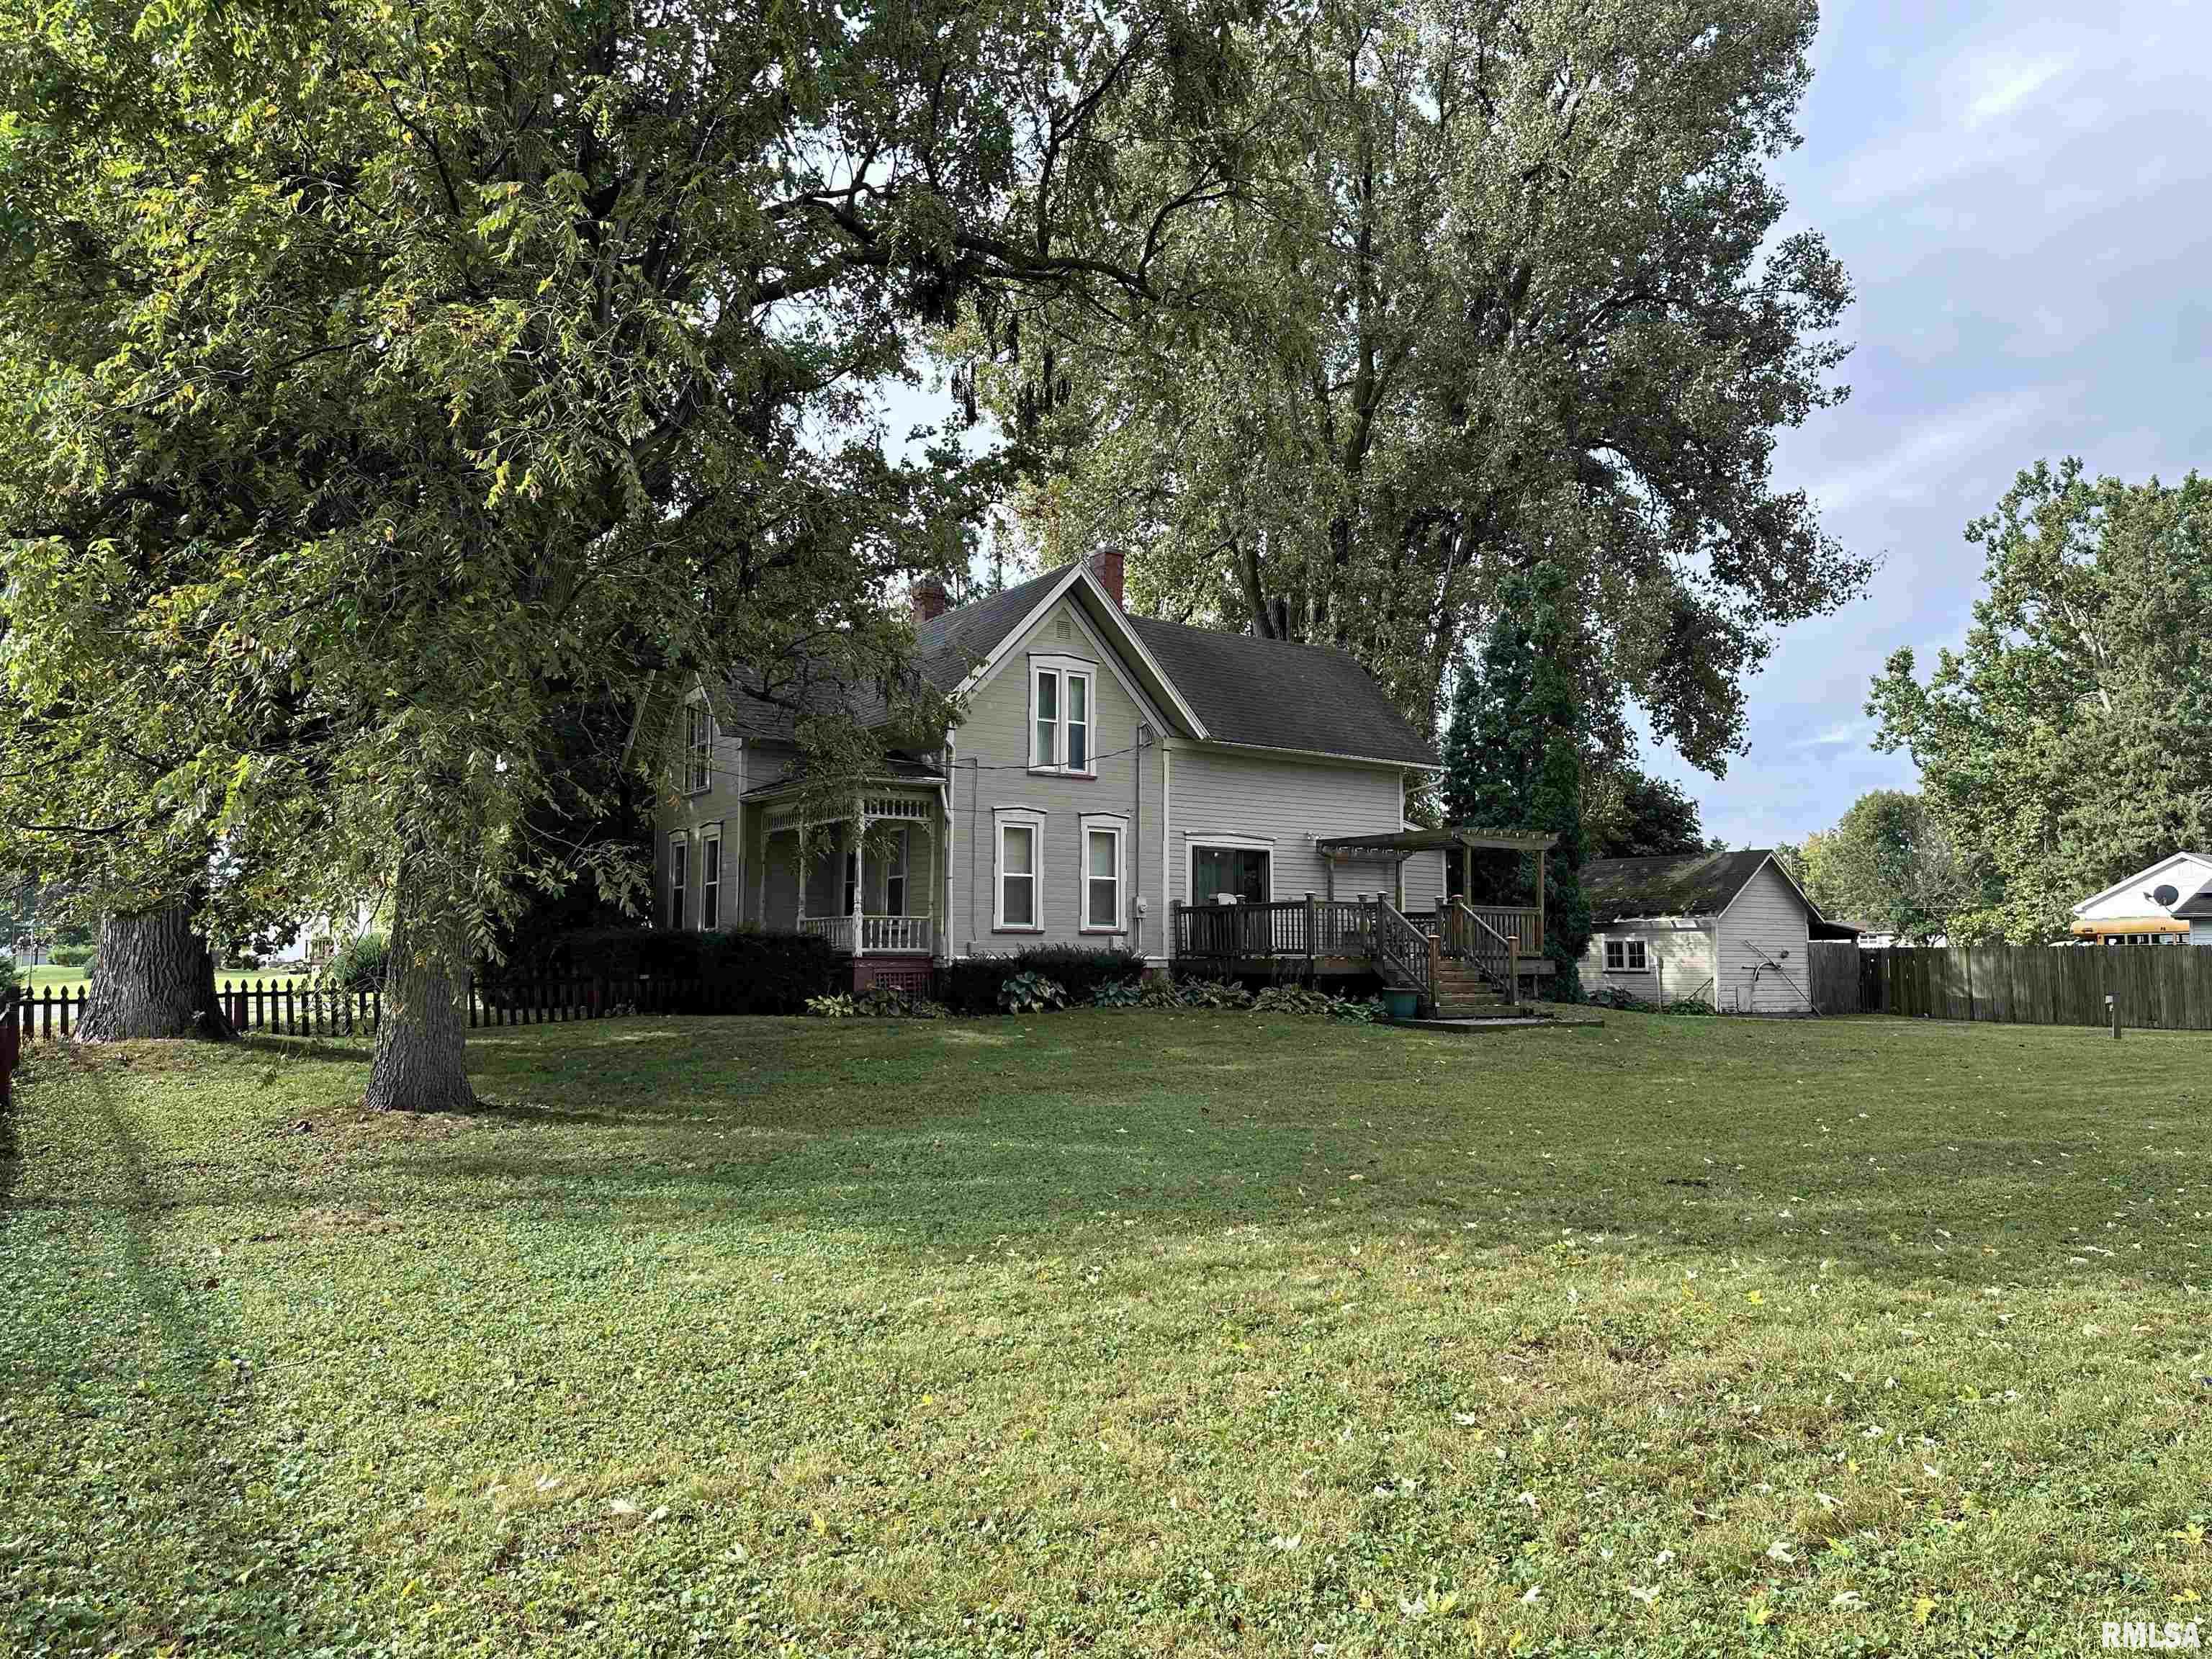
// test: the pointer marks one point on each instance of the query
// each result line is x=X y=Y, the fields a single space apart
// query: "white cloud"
x=1935 y=447
x=1848 y=735
x=2002 y=83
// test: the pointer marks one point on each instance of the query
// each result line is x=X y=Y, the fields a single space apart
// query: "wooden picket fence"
x=287 y=1007
x=2155 y=987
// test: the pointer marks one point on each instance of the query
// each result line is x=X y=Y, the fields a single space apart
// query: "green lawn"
x=1114 y=1333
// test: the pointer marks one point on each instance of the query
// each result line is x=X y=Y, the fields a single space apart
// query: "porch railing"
x=898 y=932
x=1406 y=952
x=1465 y=933
x=888 y=934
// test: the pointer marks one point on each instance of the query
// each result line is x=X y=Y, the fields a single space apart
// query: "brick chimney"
x=1109 y=565
x=928 y=597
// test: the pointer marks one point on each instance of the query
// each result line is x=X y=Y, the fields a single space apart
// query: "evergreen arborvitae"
x=1513 y=759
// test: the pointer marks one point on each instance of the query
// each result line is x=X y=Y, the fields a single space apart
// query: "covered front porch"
x=865 y=881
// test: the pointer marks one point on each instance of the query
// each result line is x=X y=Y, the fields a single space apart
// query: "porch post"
x=1329 y=876
x=1398 y=886
x=1540 y=901
x=1466 y=874
x=760 y=915
x=856 y=843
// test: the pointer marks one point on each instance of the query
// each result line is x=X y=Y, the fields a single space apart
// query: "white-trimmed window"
x=679 y=874
x=895 y=873
x=1063 y=716
x=698 y=745
x=1626 y=955
x=710 y=879
x=1104 y=875
x=1223 y=869
x=1017 y=884
x=849 y=888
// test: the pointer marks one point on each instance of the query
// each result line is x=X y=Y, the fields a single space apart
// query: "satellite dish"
x=2164 y=897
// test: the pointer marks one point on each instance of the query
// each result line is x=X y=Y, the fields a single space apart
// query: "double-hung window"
x=1102 y=875
x=1062 y=719
x=698 y=745
x=1625 y=955
x=679 y=873
x=1018 y=899
x=894 y=875
x=710 y=880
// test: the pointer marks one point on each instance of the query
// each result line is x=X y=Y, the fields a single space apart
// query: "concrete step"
x=1450 y=1008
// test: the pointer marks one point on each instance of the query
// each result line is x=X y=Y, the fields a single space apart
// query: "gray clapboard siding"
x=991 y=754
x=1766 y=913
x=1289 y=803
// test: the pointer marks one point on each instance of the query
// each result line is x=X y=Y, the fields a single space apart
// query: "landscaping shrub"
x=359 y=963
x=73 y=956
x=1118 y=994
x=741 y=970
x=877 y=1001
x=972 y=985
x=8 y=981
x=1031 y=993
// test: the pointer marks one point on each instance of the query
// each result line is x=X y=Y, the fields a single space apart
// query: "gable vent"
x=1064 y=630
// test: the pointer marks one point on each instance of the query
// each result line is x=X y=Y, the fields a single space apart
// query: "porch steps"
x=1464 y=993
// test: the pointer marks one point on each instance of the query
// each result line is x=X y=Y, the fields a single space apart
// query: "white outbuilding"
x=1731 y=930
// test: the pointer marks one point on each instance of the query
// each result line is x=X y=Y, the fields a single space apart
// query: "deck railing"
x=1466 y=934
x=1311 y=928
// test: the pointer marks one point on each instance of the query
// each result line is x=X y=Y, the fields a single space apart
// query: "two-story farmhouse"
x=1113 y=775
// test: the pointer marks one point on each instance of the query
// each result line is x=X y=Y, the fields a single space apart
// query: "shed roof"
x=1673 y=884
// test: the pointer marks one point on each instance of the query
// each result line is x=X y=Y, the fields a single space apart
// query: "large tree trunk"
x=153 y=978
x=421 y=1061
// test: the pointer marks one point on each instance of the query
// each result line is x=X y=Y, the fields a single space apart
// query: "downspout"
x=1137 y=838
x=949 y=801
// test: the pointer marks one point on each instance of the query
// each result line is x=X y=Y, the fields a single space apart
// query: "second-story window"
x=698 y=746
x=1060 y=717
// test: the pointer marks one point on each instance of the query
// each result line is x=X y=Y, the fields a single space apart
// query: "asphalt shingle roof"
x=1268 y=693
x=1282 y=695
x=1676 y=884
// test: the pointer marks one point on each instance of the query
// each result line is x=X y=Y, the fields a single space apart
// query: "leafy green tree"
x=1887 y=864
x=1501 y=284
x=382 y=382
x=2063 y=745
x=1635 y=815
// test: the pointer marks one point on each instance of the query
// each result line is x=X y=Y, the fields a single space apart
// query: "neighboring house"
x=1728 y=929
x=2141 y=909
x=2196 y=911
x=1109 y=768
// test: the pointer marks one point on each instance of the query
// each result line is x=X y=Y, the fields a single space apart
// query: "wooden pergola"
x=1397 y=846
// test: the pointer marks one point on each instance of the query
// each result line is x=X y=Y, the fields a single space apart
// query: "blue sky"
x=2022 y=195
x=2023 y=198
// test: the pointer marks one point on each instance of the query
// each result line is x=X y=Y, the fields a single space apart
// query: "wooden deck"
x=1338 y=937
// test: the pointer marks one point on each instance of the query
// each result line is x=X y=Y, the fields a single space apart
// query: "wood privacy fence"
x=2155 y=987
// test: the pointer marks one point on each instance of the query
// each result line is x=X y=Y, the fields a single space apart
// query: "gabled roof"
x=1220 y=687
x=2142 y=878
x=1272 y=694
x=1674 y=884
